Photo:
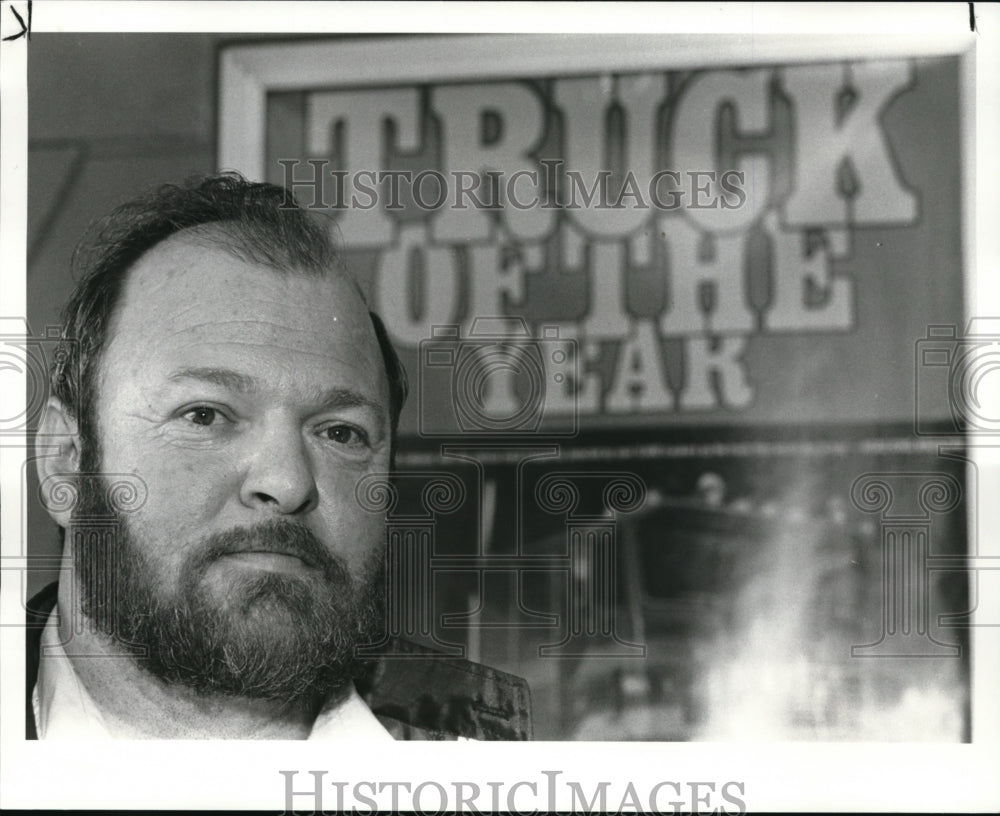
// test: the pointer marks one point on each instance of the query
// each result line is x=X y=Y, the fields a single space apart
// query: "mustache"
x=275 y=536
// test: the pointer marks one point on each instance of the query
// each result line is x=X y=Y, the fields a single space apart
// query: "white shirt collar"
x=65 y=710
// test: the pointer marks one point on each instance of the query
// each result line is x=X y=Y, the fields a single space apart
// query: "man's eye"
x=202 y=415
x=345 y=435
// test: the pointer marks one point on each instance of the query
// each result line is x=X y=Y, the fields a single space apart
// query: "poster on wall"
x=686 y=339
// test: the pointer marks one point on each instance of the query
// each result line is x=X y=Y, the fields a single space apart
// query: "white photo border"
x=779 y=777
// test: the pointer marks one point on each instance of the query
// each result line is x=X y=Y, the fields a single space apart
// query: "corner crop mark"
x=25 y=27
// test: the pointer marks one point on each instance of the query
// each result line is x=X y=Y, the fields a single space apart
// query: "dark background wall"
x=109 y=115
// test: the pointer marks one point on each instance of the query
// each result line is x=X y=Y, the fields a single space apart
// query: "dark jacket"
x=415 y=692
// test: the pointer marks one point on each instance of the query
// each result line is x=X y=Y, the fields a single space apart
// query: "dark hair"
x=259 y=223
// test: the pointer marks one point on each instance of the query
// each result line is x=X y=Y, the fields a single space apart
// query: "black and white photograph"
x=603 y=397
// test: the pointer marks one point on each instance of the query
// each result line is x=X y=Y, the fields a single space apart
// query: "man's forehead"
x=188 y=300
x=196 y=274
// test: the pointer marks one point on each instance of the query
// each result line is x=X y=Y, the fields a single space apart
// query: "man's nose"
x=280 y=475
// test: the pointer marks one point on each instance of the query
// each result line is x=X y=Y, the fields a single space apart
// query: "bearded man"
x=221 y=369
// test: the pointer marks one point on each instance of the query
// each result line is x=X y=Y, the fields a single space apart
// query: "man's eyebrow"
x=224 y=377
x=349 y=398
x=338 y=397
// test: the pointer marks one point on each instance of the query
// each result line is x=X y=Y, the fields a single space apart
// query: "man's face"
x=250 y=404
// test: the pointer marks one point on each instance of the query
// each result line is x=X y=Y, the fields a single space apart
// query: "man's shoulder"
x=37 y=612
x=41 y=604
x=419 y=693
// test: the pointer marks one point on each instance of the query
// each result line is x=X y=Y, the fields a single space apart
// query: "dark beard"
x=276 y=636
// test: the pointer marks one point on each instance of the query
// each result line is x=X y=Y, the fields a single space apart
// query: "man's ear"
x=57 y=456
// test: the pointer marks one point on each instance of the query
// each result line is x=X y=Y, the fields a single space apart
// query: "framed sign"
x=699 y=236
